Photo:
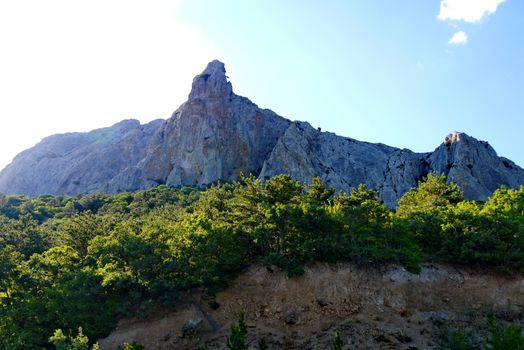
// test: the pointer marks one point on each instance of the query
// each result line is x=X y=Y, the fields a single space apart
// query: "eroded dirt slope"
x=388 y=309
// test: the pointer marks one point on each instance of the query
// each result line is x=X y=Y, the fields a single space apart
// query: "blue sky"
x=379 y=71
x=375 y=70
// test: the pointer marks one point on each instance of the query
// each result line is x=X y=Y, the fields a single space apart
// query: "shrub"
x=504 y=338
x=237 y=337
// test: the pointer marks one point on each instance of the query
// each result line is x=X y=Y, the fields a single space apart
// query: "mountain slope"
x=217 y=134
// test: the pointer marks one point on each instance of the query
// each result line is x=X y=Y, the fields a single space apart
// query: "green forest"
x=82 y=262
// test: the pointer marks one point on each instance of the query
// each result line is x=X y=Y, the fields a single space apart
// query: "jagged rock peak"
x=453 y=137
x=211 y=83
x=216 y=135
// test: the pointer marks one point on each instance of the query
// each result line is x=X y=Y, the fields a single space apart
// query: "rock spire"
x=212 y=83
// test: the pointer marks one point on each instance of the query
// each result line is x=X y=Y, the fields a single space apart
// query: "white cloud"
x=470 y=11
x=458 y=38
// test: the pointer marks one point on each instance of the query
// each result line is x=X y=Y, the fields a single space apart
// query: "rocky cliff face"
x=214 y=135
x=344 y=163
x=474 y=165
x=217 y=134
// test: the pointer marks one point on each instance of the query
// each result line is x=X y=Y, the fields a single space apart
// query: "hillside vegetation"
x=85 y=261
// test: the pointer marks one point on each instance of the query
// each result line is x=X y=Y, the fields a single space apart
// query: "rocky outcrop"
x=217 y=135
x=474 y=165
x=100 y=160
x=214 y=135
x=344 y=163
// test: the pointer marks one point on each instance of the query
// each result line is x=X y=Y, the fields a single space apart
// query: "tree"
x=433 y=192
x=10 y=259
x=79 y=342
x=373 y=235
x=509 y=337
x=23 y=233
x=336 y=342
x=54 y=291
x=130 y=346
x=131 y=265
x=61 y=342
x=265 y=212
x=78 y=230
x=489 y=234
x=318 y=192
x=504 y=212
x=237 y=337
x=424 y=208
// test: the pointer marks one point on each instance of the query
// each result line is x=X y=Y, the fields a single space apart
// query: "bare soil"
x=371 y=308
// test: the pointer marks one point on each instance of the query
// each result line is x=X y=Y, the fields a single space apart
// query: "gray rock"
x=437 y=317
x=475 y=166
x=322 y=301
x=100 y=160
x=211 y=83
x=291 y=316
x=191 y=328
x=343 y=163
x=217 y=135
x=402 y=337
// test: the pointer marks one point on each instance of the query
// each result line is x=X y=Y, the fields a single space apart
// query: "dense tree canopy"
x=69 y=266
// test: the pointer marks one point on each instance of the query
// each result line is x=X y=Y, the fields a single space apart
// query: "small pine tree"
x=459 y=341
x=237 y=338
x=131 y=346
x=262 y=344
x=337 y=342
x=61 y=342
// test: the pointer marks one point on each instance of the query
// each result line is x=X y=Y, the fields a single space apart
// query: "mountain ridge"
x=217 y=135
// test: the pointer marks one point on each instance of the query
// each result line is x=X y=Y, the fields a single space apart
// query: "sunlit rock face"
x=214 y=135
x=452 y=138
x=475 y=166
x=217 y=135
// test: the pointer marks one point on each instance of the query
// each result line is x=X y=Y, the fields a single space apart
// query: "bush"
x=237 y=337
x=458 y=341
x=131 y=346
x=504 y=338
x=337 y=343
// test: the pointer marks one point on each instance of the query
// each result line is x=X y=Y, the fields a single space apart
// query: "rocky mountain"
x=217 y=134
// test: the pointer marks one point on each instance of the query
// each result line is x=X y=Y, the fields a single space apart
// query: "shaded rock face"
x=81 y=162
x=343 y=163
x=217 y=135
